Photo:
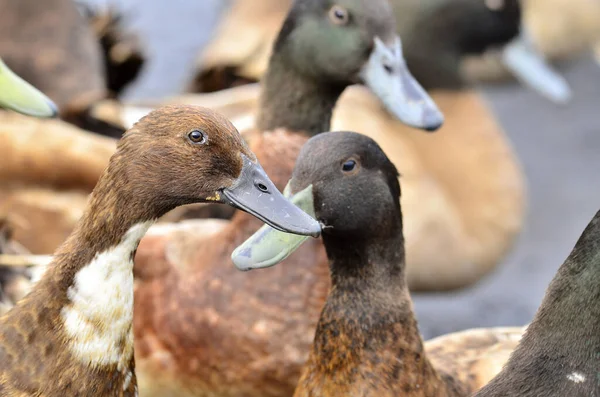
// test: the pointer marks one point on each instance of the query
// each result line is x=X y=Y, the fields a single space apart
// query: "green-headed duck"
x=73 y=334
x=246 y=56
x=367 y=342
x=559 y=354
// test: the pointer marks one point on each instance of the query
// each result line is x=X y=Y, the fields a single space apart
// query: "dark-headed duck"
x=73 y=334
x=367 y=342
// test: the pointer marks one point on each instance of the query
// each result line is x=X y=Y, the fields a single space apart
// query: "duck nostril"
x=262 y=187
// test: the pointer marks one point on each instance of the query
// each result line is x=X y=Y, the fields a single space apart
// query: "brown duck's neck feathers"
x=77 y=322
x=298 y=103
x=559 y=354
x=367 y=340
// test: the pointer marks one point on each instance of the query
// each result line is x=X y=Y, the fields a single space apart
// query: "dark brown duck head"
x=349 y=185
x=181 y=154
x=439 y=34
x=325 y=46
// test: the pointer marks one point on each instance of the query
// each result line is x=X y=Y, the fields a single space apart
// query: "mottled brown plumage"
x=155 y=169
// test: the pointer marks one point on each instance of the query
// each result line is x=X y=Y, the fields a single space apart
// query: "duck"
x=367 y=340
x=65 y=338
x=562 y=31
x=236 y=57
x=559 y=352
x=18 y=95
x=53 y=48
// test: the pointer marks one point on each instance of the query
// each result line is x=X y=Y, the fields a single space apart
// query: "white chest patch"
x=99 y=321
x=576 y=377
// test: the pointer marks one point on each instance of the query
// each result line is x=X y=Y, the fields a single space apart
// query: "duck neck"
x=563 y=342
x=367 y=324
x=294 y=101
x=435 y=34
x=92 y=275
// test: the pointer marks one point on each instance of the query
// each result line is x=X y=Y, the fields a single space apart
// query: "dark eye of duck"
x=339 y=15
x=198 y=137
x=349 y=165
x=494 y=5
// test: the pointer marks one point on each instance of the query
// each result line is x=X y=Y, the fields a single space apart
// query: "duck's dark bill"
x=254 y=193
x=22 y=97
x=267 y=247
x=529 y=66
x=387 y=75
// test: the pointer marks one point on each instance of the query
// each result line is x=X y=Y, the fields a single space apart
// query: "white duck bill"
x=387 y=75
x=529 y=66
x=268 y=246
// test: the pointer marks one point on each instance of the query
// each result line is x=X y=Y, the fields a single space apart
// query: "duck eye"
x=198 y=137
x=494 y=5
x=339 y=15
x=349 y=165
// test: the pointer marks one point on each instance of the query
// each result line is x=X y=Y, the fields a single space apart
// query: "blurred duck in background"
x=562 y=30
x=54 y=49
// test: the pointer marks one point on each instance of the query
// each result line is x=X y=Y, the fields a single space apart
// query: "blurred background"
x=557 y=145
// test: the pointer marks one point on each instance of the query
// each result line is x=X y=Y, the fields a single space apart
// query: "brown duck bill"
x=254 y=193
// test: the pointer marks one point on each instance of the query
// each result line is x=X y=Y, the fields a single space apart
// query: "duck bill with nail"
x=254 y=193
x=387 y=75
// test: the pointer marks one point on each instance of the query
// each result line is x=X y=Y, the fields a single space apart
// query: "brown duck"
x=73 y=334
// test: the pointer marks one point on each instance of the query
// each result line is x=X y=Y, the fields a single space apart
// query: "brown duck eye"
x=339 y=15
x=349 y=165
x=198 y=137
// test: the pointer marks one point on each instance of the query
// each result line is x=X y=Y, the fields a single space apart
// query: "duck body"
x=558 y=354
x=73 y=333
